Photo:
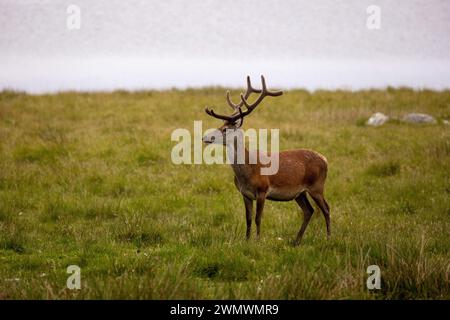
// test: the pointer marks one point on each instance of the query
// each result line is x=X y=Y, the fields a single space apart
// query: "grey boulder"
x=419 y=118
x=377 y=119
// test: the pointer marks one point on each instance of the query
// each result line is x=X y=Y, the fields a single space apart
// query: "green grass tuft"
x=385 y=169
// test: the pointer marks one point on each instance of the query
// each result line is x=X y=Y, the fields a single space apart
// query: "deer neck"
x=238 y=156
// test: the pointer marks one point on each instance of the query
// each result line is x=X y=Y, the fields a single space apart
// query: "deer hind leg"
x=248 y=215
x=325 y=208
x=308 y=211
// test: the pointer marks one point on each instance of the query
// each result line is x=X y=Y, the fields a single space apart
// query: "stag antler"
x=247 y=94
x=264 y=92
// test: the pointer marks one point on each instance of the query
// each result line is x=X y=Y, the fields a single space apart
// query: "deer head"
x=233 y=123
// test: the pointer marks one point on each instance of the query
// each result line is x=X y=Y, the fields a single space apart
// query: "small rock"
x=419 y=118
x=446 y=122
x=377 y=119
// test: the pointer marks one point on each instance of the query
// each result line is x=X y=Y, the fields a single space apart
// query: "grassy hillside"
x=86 y=179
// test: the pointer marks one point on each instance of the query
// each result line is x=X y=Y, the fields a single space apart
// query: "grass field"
x=86 y=179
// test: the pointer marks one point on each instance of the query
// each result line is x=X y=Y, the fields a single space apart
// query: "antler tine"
x=263 y=84
x=268 y=92
x=249 y=85
x=250 y=89
x=219 y=116
x=231 y=104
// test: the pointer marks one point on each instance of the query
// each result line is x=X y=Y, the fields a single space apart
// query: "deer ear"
x=239 y=122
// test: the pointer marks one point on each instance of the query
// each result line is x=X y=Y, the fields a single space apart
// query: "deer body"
x=300 y=171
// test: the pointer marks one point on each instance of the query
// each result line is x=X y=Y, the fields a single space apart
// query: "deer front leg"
x=260 y=199
x=248 y=215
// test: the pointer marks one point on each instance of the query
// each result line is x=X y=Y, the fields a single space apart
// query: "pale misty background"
x=163 y=44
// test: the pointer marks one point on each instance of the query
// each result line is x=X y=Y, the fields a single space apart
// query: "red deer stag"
x=299 y=171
